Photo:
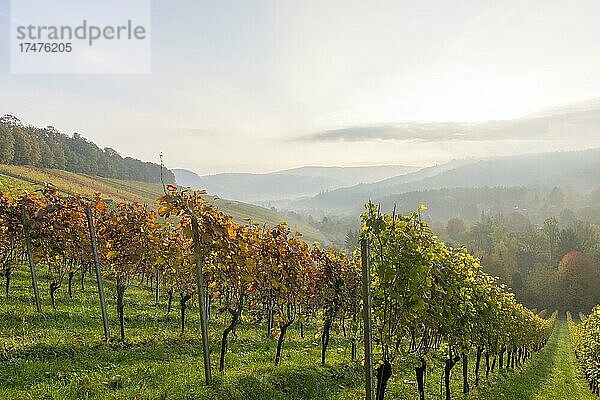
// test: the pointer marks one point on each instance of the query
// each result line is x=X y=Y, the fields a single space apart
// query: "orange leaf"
x=100 y=206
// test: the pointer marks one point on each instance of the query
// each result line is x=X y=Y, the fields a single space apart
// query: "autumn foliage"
x=578 y=282
x=427 y=297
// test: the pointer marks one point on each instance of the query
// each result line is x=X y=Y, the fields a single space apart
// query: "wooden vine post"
x=90 y=220
x=31 y=262
x=201 y=299
x=368 y=329
x=173 y=200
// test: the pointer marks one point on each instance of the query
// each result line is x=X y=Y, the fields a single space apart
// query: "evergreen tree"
x=27 y=149
x=7 y=145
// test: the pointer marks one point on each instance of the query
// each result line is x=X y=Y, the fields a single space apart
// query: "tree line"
x=48 y=148
x=554 y=265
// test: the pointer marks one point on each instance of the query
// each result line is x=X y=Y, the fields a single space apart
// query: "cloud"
x=403 y=131
x=575 y=124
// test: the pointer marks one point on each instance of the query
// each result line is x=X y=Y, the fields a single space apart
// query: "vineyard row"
x=426 y=298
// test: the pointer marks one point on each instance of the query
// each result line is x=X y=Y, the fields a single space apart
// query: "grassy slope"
x=120 y=190
x=551 y=374
x=59 y=355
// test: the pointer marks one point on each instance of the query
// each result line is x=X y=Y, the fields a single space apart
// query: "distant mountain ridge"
x=256 y=187
x=353 y=175
x=577 y=169
x=286 y=184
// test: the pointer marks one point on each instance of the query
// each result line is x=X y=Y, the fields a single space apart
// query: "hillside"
x=22 y=144
x=287 y=184
x=121 y=190
x=576 y=169
x=349 y=176
x=187 y=178
x=534 y=204
x=256 y=187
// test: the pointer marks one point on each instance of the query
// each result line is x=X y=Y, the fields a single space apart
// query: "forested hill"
x=577 y=170
x=48 y=148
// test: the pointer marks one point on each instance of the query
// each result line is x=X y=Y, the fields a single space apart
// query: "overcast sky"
x=265 y=85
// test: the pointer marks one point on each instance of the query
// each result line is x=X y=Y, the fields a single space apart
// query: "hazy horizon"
x=266 y=86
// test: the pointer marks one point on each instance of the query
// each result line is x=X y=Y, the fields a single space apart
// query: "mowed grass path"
x=549 y=374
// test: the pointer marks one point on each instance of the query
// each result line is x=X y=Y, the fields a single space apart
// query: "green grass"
x=32 y=178
x=550 y=374
x=60 y=355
